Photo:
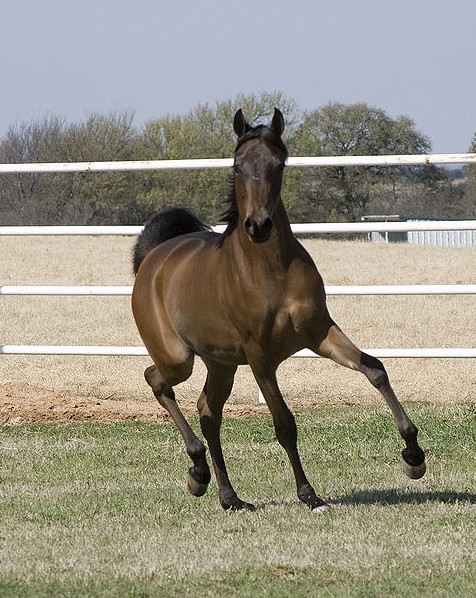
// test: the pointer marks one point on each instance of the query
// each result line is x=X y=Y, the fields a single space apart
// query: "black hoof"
x=307 y=495
x=197 y=487
x=414 y=472
x=318 y=506
x=414 y=464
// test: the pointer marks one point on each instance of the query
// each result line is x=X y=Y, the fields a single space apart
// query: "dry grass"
x=369 y=321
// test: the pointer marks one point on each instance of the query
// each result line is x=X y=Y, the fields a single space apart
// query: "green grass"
x=102 y=510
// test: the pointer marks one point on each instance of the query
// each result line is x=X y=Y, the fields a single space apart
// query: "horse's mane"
x=229 y=214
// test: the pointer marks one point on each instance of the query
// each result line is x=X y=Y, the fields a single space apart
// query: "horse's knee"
x=157 y=384
x=375 y=371
x=162 y=380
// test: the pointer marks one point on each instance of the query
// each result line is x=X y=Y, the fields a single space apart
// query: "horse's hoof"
x=414 y=472
x=238 y=505
x=196 y=488
x=320 y=508
x=314 y=503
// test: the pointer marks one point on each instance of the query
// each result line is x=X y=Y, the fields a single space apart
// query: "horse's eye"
x=236 y=167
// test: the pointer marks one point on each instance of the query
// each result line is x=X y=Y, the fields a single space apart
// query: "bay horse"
x=251 y=295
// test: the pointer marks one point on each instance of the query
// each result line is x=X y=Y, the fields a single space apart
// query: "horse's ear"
x=240 y=126
x=277 y=124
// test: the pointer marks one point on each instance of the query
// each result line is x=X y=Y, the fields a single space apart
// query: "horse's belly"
x=206 y=331
x=217 y=347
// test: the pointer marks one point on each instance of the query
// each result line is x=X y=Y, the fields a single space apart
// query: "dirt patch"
x=20 y=404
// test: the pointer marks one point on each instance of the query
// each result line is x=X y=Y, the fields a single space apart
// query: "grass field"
x=102 y=510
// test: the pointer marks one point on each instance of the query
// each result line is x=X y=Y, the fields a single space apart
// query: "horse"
x=250 y=295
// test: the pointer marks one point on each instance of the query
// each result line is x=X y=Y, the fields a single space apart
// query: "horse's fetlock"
x=409 y=432
x=306 y=492
x=196 y=451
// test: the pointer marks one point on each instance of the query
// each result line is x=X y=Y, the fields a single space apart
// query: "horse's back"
x=174 y=254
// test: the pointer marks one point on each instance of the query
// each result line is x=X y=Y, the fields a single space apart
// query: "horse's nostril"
x=249 y=226
x=266 y=227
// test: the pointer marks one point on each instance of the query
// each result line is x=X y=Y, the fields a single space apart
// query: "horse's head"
x=260 y=158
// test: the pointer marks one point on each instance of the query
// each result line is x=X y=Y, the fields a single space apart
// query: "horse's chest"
x=276 y=321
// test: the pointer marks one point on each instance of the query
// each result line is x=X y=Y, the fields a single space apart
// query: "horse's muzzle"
x=258 y=233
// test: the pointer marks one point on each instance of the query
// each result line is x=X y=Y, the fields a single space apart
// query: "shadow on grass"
x=382 y=497
x=395 y=497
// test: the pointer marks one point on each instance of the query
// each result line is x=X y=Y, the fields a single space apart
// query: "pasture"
x=101 y=510
x=118 y=383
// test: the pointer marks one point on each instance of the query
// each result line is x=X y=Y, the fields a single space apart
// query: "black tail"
x=162 y=227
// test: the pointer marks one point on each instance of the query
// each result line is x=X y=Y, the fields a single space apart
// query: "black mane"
x=230 y=212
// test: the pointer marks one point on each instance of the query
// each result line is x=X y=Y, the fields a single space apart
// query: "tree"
x=471 y=176
x=101 y=198
x=70 y=198
x=356 y=129
x=340 y=193
x=37 y=141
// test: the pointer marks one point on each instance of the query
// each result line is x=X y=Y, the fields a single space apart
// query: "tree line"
x=313 y=194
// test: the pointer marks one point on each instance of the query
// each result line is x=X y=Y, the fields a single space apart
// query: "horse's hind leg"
x=340 y=349
x=210 y=405
x=199 y=474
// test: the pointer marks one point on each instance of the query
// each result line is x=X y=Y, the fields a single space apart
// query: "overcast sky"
x=411 y=57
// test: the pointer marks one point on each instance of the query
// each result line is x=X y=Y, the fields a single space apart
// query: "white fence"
x=305 y=162
x=441 y=238
x=298 y=229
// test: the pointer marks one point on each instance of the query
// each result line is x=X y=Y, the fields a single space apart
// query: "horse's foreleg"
x=286 y=430
x=210 y=405
x=199 y=474
x=340 y=349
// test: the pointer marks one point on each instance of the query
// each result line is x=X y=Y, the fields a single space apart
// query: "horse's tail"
x=161 y=227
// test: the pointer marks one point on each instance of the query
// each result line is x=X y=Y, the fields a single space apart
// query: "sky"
x=155 y=57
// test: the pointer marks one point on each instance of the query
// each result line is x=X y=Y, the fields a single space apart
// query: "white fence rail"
x=97 y=290
x=307 y=228
x=105 y=350
x=305 y=162
x=117 y=291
